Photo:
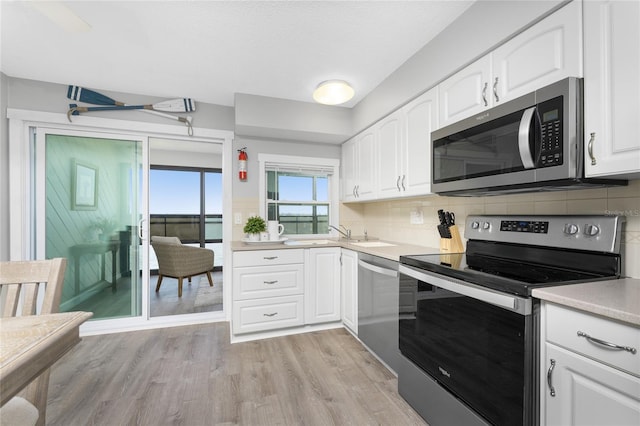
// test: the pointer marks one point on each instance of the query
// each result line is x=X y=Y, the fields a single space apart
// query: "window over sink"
x=299 y=192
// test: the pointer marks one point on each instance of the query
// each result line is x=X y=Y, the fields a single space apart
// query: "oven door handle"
x=378 y=269
x=523 y=138
x=513 y=303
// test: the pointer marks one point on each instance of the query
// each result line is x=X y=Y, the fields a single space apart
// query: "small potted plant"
x=255 y=225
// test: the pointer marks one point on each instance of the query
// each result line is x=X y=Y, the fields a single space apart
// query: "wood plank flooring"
x=107 y=304
x=192 y=375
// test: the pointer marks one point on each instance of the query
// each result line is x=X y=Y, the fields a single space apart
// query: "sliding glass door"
x=90 y=204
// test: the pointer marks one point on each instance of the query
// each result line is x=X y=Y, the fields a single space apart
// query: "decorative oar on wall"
x=77 y=93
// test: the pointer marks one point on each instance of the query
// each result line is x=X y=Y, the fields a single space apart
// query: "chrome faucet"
x=346 y=233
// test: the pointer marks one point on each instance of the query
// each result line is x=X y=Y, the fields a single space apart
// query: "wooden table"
x=31 y=344
x=100 y=248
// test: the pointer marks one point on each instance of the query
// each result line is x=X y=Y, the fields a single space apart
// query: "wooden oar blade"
x=89 y=96
x=176 y=105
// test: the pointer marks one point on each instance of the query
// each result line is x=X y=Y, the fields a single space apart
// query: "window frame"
x=301 y=162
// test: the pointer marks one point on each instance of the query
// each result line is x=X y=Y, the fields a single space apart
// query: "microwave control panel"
x=551 y=133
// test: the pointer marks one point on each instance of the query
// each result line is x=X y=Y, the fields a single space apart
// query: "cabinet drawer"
x=268 y=281
x=563 y=325
x=267 y=257
x=267 y=314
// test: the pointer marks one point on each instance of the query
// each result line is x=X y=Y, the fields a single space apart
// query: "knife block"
x=453 y=244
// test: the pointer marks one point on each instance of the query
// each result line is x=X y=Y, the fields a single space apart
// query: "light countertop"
x=616 y=299
x=392 y=252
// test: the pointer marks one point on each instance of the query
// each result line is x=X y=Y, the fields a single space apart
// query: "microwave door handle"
x=523 y=138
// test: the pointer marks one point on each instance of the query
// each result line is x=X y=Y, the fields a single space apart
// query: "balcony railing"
x=187 y=227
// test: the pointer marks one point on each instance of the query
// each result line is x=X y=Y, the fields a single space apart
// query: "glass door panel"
x=93 y=207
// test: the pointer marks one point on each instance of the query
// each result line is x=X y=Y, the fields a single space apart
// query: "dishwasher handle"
x=378 y=269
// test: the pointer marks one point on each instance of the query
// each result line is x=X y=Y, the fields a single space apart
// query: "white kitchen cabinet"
x=547 y=52
x=583 y=382
x=612 y=88
x=389 y=144
x=465 y=93
x=358 y=167
x=420 y=119
x=268 y=290
x=322 y=285
x=404 y=148
x=543 y=54
x=349 y=285
x=349 y=170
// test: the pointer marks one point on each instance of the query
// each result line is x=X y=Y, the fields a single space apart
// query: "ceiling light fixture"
x=333 y=92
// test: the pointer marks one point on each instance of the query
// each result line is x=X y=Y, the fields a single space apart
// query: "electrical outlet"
x=237 y=218
x=416 y=218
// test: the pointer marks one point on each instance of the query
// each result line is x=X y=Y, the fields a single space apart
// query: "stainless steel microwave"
x=532 y=143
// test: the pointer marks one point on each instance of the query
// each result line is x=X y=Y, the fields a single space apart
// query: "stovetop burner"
x=503 y=275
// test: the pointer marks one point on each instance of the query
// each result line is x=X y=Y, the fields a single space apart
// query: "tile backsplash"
x=390 y=220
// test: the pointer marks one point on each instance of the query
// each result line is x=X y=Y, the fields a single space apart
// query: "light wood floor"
x=192 y=375
x=107 y=304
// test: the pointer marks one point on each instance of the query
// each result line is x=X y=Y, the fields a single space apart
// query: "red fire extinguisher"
x=242 y=164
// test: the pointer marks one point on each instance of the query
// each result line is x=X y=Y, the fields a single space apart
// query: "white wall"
x=4 y=170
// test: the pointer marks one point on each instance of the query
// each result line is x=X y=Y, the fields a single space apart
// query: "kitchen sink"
x=372 y=244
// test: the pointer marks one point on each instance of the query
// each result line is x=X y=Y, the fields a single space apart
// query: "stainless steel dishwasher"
x=378 y=293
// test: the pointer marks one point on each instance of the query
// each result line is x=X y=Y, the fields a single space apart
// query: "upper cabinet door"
x=366 y=157
x=543 y=54
x=612 y=88
x=421 y=118
x=465 y=93
x=349 y=170
x=389 y=131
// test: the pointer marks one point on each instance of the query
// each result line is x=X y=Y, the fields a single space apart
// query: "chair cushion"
x=166 y=240
x=18 y=412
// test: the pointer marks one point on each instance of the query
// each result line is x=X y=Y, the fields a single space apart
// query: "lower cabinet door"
x=586 y=392
x=268 y=314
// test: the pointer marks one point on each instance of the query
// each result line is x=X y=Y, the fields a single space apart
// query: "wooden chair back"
x=20 y=282
x=22 y=279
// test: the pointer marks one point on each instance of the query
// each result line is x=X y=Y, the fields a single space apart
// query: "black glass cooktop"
x=518 y=269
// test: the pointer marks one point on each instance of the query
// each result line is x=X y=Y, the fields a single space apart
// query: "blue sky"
x=178 y=192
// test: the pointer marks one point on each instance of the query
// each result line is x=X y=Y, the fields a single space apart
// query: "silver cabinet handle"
x=484 y=94
x=607 y=344
x=358 y=191
x=552 y=391
x=270 y=315
x=398 y=184
x=495 y=90
x=354 y=191
x=270 y=282
x=590 y=149
x=403 y=187
x=270 y=257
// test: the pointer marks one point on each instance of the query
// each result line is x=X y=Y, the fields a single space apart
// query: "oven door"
x=477 y=344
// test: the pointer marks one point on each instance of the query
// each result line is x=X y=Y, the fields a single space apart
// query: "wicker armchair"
x=179 y=261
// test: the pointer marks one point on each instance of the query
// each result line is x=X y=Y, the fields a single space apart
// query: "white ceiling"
x=209 y=50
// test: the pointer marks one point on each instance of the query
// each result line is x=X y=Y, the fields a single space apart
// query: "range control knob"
x=591 y=230
x=475 y=225
x=486 y=225
x=570 y=228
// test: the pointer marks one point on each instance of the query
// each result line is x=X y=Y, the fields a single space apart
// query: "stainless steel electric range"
x=468 y=335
